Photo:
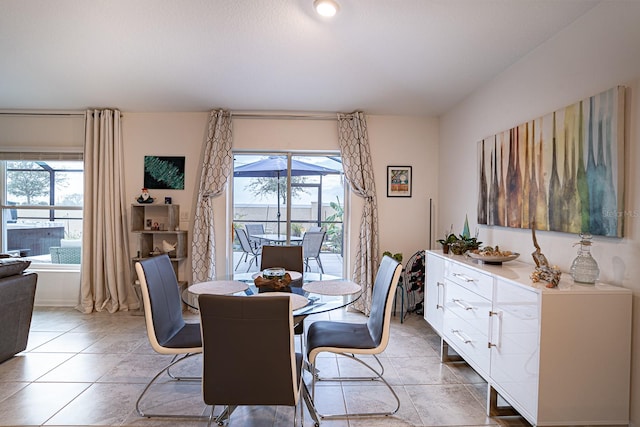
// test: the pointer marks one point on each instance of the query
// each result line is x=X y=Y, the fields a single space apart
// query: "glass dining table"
x=319 y=293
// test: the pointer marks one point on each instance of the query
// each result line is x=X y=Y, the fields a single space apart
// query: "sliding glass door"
x=281 y=196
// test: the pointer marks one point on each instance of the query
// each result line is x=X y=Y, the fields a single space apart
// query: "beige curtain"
x=105 y=279
x=216 y=170
x=358 y=170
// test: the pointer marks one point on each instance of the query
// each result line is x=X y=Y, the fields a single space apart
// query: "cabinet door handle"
x=495 y=342
x=460 y=336
x=462 y=304
x=464 y=277
x=438 y=299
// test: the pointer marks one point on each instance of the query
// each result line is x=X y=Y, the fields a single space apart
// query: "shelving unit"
x=153 y=224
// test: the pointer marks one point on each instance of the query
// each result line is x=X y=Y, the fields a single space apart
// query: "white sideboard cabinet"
x=559 y=356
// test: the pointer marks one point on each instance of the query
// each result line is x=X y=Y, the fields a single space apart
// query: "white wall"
x=394 y=140
x=599 y=51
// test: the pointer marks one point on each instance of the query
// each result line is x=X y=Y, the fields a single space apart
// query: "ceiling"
x=405 y=57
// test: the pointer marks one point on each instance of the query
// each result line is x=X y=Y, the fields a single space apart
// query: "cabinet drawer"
x=468 y=306
x=468 y=341
x=469 y=278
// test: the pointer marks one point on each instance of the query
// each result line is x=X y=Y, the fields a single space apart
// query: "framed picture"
x=164 y=173
x=399 y=181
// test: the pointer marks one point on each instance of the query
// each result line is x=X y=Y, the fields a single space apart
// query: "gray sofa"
x=17 y=292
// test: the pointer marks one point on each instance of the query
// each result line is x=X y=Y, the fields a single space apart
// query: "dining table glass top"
x=309 y=299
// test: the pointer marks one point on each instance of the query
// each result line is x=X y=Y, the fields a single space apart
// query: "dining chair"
x=352 y=339
x=249 y=354
x=167 y=330
x=287 y=257
x=311 y=246
x=248 y=249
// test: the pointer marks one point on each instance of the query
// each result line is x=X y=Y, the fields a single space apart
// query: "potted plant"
x=397 y=257
x=449 y=239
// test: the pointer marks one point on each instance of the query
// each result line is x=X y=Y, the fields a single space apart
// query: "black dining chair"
x=287 y=257
x=249 y=354
x=167 y=330
x=352 y=339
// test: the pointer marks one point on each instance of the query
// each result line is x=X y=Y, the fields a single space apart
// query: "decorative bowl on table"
x=273 y=273
x=489 y=255
x=274 y=279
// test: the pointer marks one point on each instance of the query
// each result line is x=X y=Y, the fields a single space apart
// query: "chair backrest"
x=384 y=290
x=244 y=241
x=254 y=229
x=161 y=297
x=288 y=257
x=65 y=255
x=312 y=243
x=314 y=228
x=249 y=353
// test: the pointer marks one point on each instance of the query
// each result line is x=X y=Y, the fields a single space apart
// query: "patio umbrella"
x=276 y=167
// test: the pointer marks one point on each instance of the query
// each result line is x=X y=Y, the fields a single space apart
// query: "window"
x=41 y=203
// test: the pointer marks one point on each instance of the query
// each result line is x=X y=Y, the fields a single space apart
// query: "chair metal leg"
x=320 y=264
x=176 y=359
x=315 y=377
x=245 y=255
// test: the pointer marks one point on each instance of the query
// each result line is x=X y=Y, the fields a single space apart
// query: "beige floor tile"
x=31 y=366
x=83 y=368
x=71 y=342
x=37 y=402
x=447 y=405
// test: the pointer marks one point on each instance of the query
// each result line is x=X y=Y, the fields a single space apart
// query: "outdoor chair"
x=248 y=249
x=167 y=331
x=255 y=230
x=311 y=246
x=65 y=255
x=352 y=339
x=249 y=354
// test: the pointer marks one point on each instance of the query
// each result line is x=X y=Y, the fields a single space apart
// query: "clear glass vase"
x=584 y=268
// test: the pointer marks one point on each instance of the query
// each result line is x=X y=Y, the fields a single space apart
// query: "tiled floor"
x=89 y=370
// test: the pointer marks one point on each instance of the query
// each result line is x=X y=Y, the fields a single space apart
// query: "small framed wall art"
x=399 y=181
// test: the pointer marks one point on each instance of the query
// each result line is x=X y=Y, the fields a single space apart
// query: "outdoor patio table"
x=278 y=239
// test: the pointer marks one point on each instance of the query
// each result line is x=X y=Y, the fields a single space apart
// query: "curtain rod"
x=42 y=113
x=284 y=116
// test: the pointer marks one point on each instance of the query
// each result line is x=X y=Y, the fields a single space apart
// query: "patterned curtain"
x=216 y=170
x=105 y=272
x=358 y=170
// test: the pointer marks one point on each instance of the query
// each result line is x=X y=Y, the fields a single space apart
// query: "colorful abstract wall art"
x=561 y=172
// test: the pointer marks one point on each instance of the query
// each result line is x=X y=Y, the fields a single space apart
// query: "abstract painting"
x=164 y=173
x=561 y=172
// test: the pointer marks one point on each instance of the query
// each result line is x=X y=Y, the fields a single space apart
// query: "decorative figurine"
x=168 y=247
x=543 y=271
x=145 y=197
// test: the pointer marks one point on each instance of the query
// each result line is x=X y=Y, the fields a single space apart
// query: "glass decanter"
x=584 y=268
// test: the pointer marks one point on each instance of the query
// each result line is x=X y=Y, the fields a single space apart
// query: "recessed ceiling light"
x=326 y=7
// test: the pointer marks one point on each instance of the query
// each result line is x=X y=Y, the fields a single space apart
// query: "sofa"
x=17 y=293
